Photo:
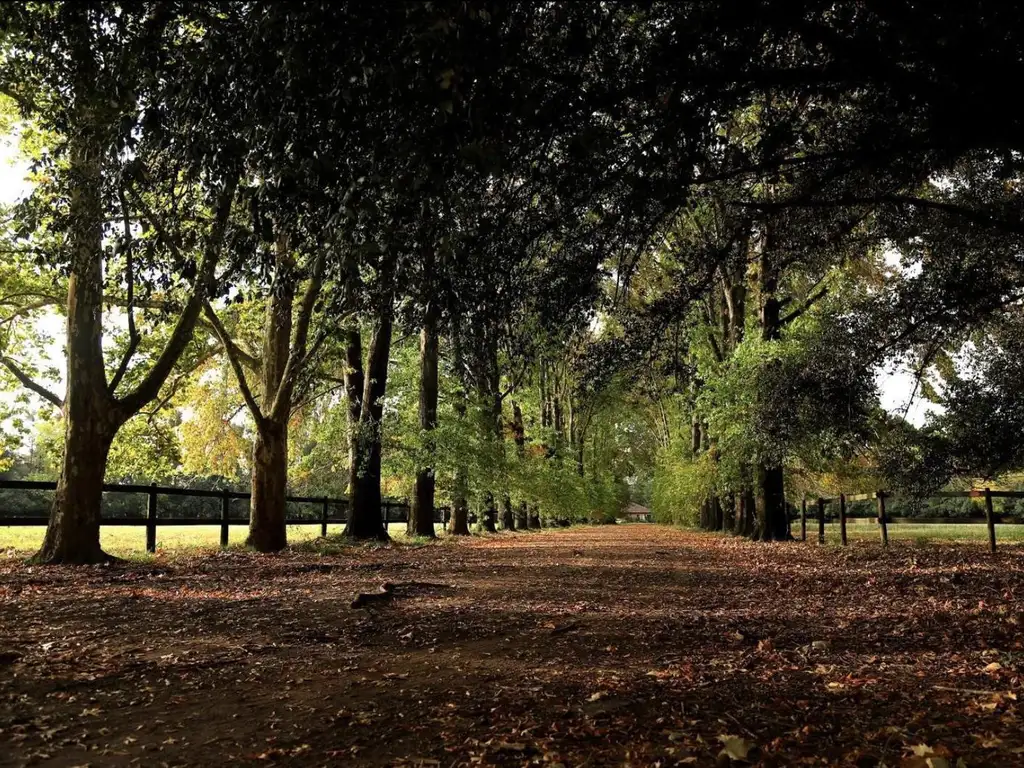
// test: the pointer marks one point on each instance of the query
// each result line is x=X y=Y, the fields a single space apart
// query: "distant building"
x=635 y=513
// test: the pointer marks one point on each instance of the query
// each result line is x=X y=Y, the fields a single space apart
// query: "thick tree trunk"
x=460 y=515
x=772 y=524
x=267 y=512
x=728 y=503
x=364 y=520
x=745 y=514
x=534 y=513
x=489 y=514
x=267 y=531
x=73 y=531
x=508 y=518
x=522 y=516
x=421 y=517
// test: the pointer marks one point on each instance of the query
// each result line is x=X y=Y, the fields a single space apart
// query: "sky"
x=897 y=385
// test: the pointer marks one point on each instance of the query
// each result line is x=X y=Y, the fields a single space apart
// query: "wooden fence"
x=883 y=521
x=392 y=510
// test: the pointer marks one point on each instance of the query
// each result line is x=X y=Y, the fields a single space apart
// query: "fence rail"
x=392 y=510
x=883 y=521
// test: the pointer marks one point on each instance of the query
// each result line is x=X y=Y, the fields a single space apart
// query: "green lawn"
x=131 y=541
x=922 y=532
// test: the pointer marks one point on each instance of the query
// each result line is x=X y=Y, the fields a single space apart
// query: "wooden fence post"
x=821 y=520
x=323 y=519
x=990 y=519
x=803 y=520
x=225 y=511
x=882 y=522
x=387 y=514
x=842 y=517
x=151 y=521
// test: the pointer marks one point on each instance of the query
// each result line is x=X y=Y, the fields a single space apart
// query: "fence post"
x=323 y=519
x=803 y=520
x=842 y=517
x=991 y=521
x=821 y=520
x=225 y=510
x=882 y=522
x=151 y=520
x=387 y=514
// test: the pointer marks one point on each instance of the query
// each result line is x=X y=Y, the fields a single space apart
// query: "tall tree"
x=99 y=77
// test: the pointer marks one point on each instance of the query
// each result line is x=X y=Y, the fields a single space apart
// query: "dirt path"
x=635 y=645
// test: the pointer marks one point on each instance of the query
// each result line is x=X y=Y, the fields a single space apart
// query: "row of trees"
x=620 y=242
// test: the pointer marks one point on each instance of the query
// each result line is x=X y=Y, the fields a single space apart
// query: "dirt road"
x=636 y=645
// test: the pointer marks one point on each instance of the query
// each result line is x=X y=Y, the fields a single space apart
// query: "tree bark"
x=267 y=530
x=508 y=518
x=460 y=514
x=365 y=499
x=519 y=437
x=490 y=514
x=460 y=492
x=73 y=530
x=354 y=382
x=771 y=524
x=421 y=516
x=745 y=514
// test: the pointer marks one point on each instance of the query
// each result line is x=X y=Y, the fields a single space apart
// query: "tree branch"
x=232 y=352
x=150 y=386
x=297 y=357
x=133 y=333
x=811 y=300
x=29 y=383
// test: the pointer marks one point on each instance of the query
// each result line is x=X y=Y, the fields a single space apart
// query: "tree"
x=94 y=76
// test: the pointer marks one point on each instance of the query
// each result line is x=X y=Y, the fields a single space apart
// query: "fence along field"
x=325 y=510
x=882 y=518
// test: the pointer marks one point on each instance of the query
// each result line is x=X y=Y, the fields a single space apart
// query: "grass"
x=922 y=533
x=125 y=541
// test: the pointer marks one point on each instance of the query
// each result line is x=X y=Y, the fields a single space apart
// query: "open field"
x=630 y=644
x=131 y=541
x=125 y=541
x=924 y=532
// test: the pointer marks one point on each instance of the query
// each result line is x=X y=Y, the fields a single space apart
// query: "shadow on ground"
x=634 y=645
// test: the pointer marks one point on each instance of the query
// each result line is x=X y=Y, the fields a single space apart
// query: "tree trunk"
x=772 y=523
x=460 y=513
x=73 y=530
x=534 y=515
x=745 y=514
x=490 y=514
x=364 y=521
x=421 y=516
x=519 y=437
x=508 y=519
x=522 y=516
x=354 y=383
x=267 y=531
